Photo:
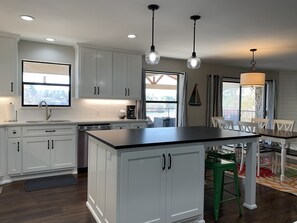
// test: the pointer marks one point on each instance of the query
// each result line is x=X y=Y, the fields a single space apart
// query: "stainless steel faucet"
x=48 y=112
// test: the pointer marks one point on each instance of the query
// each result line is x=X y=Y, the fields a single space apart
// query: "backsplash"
x=83 y=109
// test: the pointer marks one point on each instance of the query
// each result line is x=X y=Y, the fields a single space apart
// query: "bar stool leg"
x=217 y=192
x=237 y=189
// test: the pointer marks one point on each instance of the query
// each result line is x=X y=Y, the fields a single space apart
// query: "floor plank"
x=68 y=205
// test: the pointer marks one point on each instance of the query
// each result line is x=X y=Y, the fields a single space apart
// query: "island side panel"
x=102 y=181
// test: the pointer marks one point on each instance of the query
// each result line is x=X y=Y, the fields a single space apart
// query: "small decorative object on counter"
x=122 y=114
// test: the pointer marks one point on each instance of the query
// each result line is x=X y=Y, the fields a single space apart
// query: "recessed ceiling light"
x=50 y=39
x=131 y=36
x=27 y=17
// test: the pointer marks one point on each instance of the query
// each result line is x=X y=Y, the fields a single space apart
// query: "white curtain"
x=182 y=100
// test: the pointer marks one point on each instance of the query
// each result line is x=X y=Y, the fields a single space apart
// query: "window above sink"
x=43 y=81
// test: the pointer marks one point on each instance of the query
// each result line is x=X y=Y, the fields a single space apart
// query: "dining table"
x=282 y=137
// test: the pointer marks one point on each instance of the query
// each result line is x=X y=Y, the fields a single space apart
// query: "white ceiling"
x=226 y=32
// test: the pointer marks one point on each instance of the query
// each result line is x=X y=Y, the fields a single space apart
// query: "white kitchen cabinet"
x=14 y=150
x=2 y=154
x=138 y=125
x=8 y=65
x=127 y=73
x=102 y=180
x=165 y=180
x=95 y=73
x=131 y=125
x=120 y=125
x=47 y=148
x=154 y=185
x=14 y=156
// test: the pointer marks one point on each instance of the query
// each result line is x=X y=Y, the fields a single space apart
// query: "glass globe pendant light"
x=194 y=62
x=152 y=57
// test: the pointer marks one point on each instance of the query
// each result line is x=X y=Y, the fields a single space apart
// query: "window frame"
x=166 y=102
x=46 y=84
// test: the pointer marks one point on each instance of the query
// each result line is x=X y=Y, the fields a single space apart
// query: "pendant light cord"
x=253 y=62
x=194 y=36
x=153 y=27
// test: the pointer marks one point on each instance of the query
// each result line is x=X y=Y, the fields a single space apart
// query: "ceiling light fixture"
x=194 y=62
x=131 y=36
x=27 y=17
x=50 y=39
x=152 y=57
x=252 y=78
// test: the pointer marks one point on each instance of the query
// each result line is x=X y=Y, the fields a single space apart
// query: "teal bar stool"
x=219 y=165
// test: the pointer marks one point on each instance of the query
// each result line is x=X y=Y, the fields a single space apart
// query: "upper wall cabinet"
x=8 y=65
x=106 y=74
x=95 y=73
x=127 y=76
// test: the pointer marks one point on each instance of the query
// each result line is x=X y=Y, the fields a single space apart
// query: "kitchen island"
x=157 y=174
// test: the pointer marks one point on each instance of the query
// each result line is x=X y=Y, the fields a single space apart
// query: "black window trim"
x=34 y=83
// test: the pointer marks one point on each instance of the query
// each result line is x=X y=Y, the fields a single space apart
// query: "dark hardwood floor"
x=67 y=205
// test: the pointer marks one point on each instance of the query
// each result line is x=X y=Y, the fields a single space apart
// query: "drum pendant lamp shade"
x=252 y=78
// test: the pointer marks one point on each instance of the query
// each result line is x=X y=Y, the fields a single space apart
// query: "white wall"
x=87 y=109
x=287 y=97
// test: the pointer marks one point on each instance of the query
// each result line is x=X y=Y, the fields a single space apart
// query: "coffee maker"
x=131 y=112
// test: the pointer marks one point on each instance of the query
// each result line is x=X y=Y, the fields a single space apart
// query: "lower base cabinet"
x=14 y=154
x=45 y=153
x=2 y=156
x=152 y=185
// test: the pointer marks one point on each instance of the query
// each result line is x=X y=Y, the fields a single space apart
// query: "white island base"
x=152 y=184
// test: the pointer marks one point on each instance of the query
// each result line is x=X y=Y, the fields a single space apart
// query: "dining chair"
x=214 y=120
x=249 y=127
x=284 y=125
x=262 y=122
x=228 y=125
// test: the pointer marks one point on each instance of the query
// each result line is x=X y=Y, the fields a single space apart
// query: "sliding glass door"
x=242 y=104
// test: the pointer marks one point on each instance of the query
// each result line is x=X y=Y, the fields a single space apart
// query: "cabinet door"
x=134 y=74
x=104 y=74
x=36 y=154
x=142 y=187
x=185 y=188
x=14 y=156
x=87 y=73
x=8 y=64
x=62 y=152
x=92 y=170
x=119 y=67
x=2 y=157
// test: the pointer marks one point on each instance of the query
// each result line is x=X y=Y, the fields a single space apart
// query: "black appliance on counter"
x=131 y=112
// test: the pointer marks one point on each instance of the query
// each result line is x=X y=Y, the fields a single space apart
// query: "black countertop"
x=129 y=138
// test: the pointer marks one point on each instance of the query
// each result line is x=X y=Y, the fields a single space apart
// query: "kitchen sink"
x=47 y=121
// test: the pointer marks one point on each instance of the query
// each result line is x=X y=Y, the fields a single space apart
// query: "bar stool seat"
x=219 y=166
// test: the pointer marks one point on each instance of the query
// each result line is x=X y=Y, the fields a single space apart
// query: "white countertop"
x=69 y=122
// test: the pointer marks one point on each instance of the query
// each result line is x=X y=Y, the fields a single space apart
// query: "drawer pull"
x=18 y=147
x=50 y=130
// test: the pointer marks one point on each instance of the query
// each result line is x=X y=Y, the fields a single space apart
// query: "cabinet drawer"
x=120 y=126
x=14 y=132
x=139 y=125
x=49 y=130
